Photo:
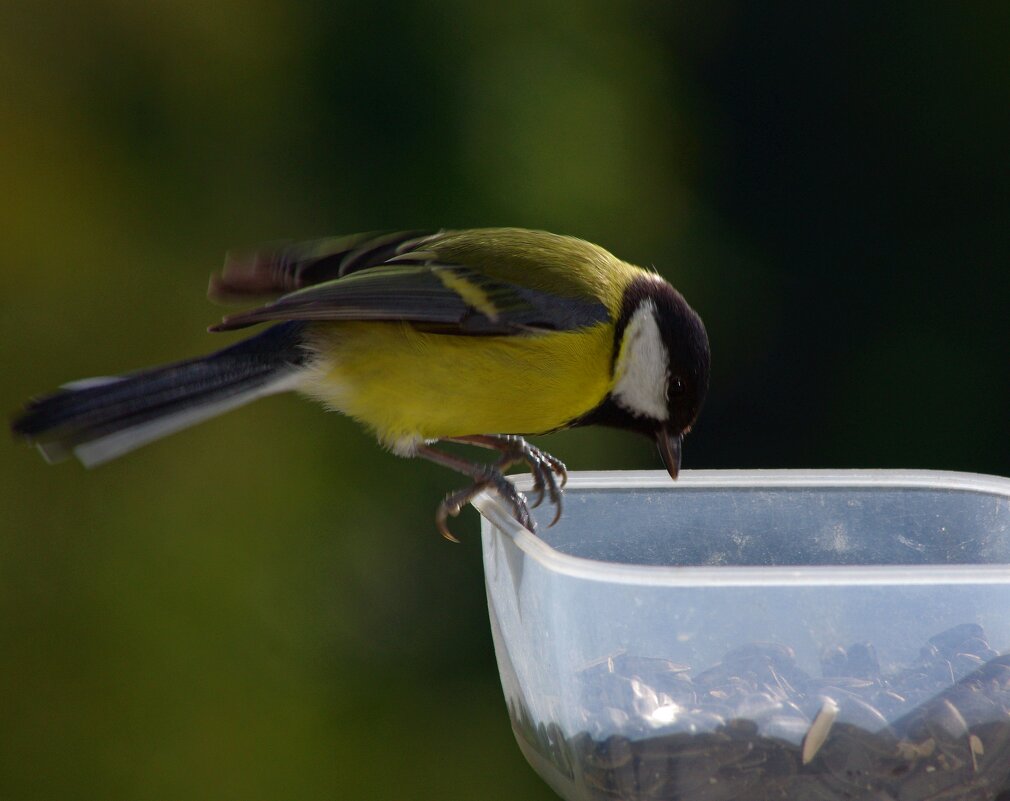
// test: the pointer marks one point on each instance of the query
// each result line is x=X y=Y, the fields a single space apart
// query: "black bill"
x=669 y=449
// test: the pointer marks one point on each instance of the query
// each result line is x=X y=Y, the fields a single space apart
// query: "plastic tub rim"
x=496 y=516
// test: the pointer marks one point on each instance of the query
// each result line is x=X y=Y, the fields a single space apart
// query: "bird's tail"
x=98 y=419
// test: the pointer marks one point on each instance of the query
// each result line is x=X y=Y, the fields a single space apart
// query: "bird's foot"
x=491 y=478
x=549 y=477
x=549 y=472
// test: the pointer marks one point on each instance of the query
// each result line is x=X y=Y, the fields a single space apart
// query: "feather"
x=99 y=419
x=452 y=298
x=287 y=266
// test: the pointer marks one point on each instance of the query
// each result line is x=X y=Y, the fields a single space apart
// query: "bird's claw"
x=549 y=478
x=448 y=507
x=547 y=470
x=493 y=478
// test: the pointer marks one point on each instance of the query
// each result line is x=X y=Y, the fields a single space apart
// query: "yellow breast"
x=407 y=385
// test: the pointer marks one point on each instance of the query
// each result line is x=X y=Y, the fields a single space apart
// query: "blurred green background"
x=260 y=608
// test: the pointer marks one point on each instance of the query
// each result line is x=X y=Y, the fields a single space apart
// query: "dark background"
x=260 y=608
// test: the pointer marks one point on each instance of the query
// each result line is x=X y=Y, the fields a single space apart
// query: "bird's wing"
x=287 y=266
x=448 y=298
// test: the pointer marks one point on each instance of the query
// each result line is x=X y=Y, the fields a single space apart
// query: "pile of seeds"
x=756 y=726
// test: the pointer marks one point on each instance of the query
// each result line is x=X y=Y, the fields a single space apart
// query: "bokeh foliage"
x=259 y=608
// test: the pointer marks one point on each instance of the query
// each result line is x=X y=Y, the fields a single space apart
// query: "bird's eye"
x=676 y=385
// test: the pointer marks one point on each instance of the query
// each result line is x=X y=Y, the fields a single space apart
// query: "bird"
x=478 y=336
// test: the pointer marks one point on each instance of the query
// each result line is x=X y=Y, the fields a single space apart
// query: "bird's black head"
x=660 y=366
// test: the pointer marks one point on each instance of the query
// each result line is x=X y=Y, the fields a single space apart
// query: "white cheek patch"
x=642 y=368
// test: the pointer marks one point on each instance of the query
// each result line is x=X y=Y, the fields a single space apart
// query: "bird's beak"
x=669 y=449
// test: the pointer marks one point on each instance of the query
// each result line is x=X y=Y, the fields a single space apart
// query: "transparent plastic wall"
x=777 y=609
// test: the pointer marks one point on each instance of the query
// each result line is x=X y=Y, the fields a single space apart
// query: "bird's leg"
x=547 y=470
x=483 y=475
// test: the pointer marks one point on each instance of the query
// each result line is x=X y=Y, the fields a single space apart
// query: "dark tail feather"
x=99 y=419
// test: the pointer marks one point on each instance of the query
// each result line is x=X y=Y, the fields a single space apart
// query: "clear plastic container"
x=759 y=634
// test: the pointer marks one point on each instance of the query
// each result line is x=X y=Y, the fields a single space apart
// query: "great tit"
x=474 y=336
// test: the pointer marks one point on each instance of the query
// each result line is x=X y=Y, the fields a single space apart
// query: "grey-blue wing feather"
x=419 y=294
x=288 y=266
